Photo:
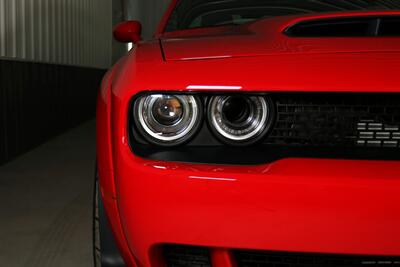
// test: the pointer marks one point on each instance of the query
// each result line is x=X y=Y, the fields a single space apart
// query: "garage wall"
x=148 y=12
x=39 y=101
x=73 y=32
x=53 y=55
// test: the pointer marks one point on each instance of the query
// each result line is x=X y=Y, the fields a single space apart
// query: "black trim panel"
x=204 y=148
x=260 y=154
x=272 y=258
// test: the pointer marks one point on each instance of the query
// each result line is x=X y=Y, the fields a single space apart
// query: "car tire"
x=96 y=227
x=105 y=252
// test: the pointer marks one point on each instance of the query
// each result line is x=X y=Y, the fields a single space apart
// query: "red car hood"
x=267 y=37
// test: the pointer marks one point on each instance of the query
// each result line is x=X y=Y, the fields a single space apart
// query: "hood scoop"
x=378 y=26
x=290 y=35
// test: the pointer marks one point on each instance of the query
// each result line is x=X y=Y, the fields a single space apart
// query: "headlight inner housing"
x=168 y=120
x=239 y=120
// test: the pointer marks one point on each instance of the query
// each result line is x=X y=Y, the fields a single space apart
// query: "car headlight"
x=168 y=119
x=239 y=120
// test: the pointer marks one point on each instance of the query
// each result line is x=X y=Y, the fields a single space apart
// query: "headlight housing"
x=168 y=120
x=239 y=119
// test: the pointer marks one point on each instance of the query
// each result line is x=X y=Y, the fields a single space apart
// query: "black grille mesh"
x=346 y=120
x=186 y=256
x=278 y=259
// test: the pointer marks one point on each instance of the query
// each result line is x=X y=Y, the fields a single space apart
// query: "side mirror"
x=128 y=31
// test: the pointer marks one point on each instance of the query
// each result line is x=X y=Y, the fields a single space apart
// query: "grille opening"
x=283 y=259
x=337 y=120
x=390 y=27
x=347 y=27
x=186 y=256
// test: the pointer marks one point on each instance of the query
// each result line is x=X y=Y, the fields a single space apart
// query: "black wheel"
x=96 y=227
x=105 y=252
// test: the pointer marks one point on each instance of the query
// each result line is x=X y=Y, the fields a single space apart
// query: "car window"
x=189 y=14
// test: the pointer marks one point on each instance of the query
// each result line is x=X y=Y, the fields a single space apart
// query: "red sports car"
x=253 y=133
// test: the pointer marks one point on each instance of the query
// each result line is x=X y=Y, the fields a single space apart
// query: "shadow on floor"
x=46 y=203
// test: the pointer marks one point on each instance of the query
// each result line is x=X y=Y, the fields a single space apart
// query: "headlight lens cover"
x=239 y=119
x=168 y=119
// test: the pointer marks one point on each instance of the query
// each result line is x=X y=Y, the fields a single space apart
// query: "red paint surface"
x=128 y=31
x=294 y=204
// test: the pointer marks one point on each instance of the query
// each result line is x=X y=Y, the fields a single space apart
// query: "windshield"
x=189 y=14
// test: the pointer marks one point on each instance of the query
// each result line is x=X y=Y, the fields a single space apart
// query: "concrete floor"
x=46 y=203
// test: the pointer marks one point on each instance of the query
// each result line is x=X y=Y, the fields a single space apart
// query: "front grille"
x=362 y=126
x=186 y=256
x=344 y=120
x=281 y=259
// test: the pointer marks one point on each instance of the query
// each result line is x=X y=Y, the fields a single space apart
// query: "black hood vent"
x=359 y=26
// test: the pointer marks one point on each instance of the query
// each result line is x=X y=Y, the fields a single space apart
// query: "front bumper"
x=292 y=205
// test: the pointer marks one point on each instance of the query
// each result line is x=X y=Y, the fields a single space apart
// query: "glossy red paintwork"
x=265 y=38
x=128 y=31
x=294 y=204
